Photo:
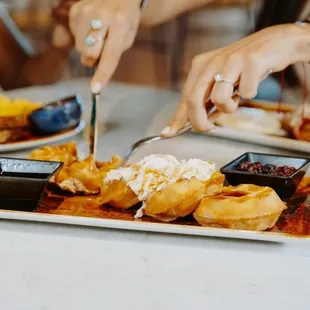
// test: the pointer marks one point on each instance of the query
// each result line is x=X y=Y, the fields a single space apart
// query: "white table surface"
x=54 y=267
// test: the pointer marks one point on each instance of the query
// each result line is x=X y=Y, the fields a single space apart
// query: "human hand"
x=103 y=30
x=61 y=36
x=246 y=63
x=60 y=13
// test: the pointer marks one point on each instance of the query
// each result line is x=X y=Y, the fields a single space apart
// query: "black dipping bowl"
x=284 y=186
x=22 y=182
x=57 y=116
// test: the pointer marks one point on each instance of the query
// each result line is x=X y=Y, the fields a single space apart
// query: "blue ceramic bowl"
x=57 y=116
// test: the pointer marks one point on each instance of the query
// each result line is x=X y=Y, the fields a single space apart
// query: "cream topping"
x=156 y=172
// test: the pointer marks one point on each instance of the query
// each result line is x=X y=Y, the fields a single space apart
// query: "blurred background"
x=161 y=56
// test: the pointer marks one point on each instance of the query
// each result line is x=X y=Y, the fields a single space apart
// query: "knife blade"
x=93 y=128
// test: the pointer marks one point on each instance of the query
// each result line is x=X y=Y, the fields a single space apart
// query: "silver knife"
x=93 y=128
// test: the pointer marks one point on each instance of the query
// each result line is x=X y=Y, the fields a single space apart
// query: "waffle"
x=246 y=207
x=77 y=176
x=118 y=195
x=182 y=198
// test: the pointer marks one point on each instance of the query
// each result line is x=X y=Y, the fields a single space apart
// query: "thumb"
x=61 y=37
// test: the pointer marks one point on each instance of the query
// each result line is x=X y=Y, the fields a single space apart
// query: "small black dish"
x=23 y=181
x=284 y=186
x=57 y=116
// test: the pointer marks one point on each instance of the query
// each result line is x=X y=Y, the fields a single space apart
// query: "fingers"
x=102 y=32
x=254 y=71
x=213 y=116
x=200 y=86
x=84 y=33
x=181 y=116
x=222 y=92
x=74 y=14
x=246 y=62
x=61 y=37
x=60 y=13
x=91 y=54
x=109 y=60
x=196 y=100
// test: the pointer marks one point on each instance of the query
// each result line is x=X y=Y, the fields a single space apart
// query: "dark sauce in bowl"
x=270 y=169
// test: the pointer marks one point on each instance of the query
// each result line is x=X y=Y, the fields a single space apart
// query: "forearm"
x=300 y=38
x=162 y=11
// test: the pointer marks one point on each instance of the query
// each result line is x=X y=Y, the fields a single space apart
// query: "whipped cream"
x=156 y=172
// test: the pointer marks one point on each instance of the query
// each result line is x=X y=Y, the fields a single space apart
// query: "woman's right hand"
x=103 y=30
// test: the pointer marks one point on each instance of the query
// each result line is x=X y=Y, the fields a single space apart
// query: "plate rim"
x=262 y=139
x=23 y=145
x=162 y=228
x=259 y=139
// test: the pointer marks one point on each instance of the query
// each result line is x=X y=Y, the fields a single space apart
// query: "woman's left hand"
x=246 y=63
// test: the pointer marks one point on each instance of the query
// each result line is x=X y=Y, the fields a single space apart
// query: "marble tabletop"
x=47 y=267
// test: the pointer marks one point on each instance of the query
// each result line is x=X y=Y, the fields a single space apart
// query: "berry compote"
x=258 y=168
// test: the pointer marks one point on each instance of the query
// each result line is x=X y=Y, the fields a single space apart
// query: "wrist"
x=301 y=41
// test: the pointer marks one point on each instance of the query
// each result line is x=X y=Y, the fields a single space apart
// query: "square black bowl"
x=23 y=181
x=284 y=186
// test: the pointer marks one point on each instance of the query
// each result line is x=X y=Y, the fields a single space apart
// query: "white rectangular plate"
x=151 y=227
x=266 y=140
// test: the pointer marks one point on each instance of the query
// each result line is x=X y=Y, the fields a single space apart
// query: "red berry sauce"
x=258 y=168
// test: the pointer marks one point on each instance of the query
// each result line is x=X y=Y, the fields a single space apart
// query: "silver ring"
x=90 y=40
x=96 y=24
x=219 y=78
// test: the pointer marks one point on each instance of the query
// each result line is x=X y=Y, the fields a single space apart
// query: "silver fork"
x=211 y=110
x=134 y=147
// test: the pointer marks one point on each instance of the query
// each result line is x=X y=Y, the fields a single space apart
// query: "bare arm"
x=19 y=66
x=162 y=11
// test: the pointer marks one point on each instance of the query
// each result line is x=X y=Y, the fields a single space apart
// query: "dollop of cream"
x=156 y=172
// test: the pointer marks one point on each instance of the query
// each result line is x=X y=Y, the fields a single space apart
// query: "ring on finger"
x=96 y=24
x=91 y=40
x=219 y=78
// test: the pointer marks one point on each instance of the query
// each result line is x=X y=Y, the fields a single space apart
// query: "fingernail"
x=96 y=88
x=212 y=127
x=165 y=131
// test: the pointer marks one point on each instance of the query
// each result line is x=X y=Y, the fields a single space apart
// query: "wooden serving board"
x=295 y=220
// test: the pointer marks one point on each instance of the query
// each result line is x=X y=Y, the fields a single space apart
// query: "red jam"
x=258 y=168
